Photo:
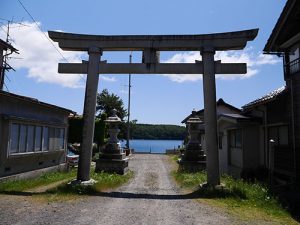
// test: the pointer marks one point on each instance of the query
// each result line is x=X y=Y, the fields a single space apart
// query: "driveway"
x=150 y=198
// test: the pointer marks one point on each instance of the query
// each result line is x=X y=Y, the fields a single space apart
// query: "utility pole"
x=4 y=47
x=129 y=95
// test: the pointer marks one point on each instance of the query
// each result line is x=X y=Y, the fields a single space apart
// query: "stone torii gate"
x=151 y=45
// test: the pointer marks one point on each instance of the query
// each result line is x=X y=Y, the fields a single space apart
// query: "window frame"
x=276 y=128
x=33 y=136
x=233 y=134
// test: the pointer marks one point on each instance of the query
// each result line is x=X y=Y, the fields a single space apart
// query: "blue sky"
x=155 y=99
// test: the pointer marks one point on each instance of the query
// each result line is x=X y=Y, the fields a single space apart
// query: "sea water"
x=153 y=146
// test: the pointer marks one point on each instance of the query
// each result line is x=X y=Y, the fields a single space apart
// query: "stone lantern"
x=112 y=159
x=193 y=158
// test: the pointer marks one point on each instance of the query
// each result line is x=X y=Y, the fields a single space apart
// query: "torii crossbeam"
x=151 y=45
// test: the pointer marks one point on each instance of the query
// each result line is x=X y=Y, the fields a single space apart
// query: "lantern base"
x=112 y=163
x=191 y=166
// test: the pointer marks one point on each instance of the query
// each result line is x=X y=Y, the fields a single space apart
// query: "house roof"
x=219 y=103
x=236 y=118
x=34 y=101
x=234 y=115
x=266 y=98
x=287 y=26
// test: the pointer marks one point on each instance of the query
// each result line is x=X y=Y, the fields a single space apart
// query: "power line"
x=36 y=23
x=46 y=35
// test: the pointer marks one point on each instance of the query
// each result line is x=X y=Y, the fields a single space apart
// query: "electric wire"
x=37 y=24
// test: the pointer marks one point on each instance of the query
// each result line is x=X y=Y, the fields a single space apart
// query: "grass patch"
x=104 y=181
x=246 y=201
x=43 y=180
x=62 y=191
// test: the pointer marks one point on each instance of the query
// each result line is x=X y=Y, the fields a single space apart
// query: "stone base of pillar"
x=112 y=163
x=191 y=166
x=193 y=159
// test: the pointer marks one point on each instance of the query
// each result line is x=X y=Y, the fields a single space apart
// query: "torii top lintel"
x=218 y=41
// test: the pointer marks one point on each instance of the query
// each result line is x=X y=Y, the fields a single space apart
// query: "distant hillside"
x=157 y=132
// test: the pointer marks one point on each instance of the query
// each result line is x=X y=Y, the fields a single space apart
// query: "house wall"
x=296 y=121
x=20 y=111
x=223 y=153
x=251 y=150
x=234 y=159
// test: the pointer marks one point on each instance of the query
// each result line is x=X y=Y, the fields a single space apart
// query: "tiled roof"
x=271 y=45
x=267 y=98
x=219 y=102
x=234 y=116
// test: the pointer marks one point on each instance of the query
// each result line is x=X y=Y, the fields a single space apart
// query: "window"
x=293 y=63
x=38 y=138
x=14 y=138
x=235 y=138
x=45 y=138
x=31 y=138
x=280 y=135
x=51 y=138
x=22 y=140
x=62 y=138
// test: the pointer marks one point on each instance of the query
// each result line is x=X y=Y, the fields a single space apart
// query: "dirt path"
x=151 y=198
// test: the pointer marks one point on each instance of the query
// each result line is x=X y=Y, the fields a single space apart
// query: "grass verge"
x=104 y=181
x=43 y=180
x=245 y=201
x=62 y=191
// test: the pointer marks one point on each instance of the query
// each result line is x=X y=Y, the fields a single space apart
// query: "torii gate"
x=151 y=45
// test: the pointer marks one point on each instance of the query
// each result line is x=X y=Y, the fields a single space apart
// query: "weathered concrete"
x=193 y=159
x=89 y=115
x=210 y=117
x=221 y=41
x=154 y=68
x=112 y=159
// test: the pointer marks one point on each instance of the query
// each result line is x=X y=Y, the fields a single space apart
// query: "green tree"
x=106 y=102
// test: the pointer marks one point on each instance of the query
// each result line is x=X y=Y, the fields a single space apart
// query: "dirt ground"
x=150 y=198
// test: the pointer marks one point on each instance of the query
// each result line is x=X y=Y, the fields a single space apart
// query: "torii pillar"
x=210 y=116
x=89 y=111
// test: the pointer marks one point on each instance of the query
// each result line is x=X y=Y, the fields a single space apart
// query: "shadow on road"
x=200 y=193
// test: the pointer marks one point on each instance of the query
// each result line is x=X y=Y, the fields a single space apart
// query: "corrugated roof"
x=266 y=98
x=33 y=100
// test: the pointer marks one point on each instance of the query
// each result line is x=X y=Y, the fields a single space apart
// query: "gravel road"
x=150 y=198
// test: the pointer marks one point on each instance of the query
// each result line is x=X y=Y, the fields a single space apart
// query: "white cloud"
x=41 y=59
x=254 y=62
x=108 y=78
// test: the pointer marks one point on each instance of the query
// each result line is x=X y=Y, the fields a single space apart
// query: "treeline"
x=137 y=131
x=157 y=132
